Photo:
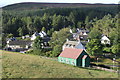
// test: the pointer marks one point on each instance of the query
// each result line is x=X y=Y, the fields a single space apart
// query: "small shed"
x=76 y=57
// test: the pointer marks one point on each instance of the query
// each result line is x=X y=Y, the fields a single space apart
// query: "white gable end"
x=105 y=40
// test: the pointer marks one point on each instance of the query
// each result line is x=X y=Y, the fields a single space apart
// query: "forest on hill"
x=41 y=17
x=19 y=20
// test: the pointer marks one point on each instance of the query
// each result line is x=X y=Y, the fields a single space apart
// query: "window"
x=73 y=62
x=67 y=61
x=66 y=44
x=64 y=60
x=70 y=45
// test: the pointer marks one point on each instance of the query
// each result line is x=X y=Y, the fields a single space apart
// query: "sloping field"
x=16 y=65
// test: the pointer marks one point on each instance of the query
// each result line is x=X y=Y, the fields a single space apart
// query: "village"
x=60 y=40
x=78 y=40
x=73 y=51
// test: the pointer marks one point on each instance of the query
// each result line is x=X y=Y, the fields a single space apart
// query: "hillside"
x=35 y=5
x=18 y=65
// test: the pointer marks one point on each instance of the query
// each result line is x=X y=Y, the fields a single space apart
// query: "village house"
x=74 y=56
x=73 y=44
x=45 y=43
x=19 y=45
x=81 y=34
x=105 y=40
x=41 y=34
x=82 y=31
x=26 y=36
x=44 y=37
x=11 y=39
x=33 y=37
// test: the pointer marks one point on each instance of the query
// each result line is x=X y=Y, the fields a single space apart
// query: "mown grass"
x=16 y=65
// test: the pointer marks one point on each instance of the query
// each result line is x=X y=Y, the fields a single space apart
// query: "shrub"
x=48 y=53
x=107 y=49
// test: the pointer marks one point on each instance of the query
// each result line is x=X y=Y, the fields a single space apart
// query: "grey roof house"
x=19 y=45
x=73 y=44
x=81 y=34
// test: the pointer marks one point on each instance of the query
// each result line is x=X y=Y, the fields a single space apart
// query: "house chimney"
x=78 y=37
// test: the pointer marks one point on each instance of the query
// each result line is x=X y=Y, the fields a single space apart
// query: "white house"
x=26 y=36
x=33 y=37
x=81 y=34
x=44 y=33
x=11 y=39
x=41 y=34
x=84 y=33
x=73 y=44
x=105 y=40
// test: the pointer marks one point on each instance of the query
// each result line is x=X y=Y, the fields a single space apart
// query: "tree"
x=87 y=20
x=112 y=35
x=95 y=33
x=116 y=49
x=105 y=24
x=87 y=23
x=10 y=35
x=46 y=21
x=20 y=31
x=37 y=24
x=116 y=41
x=57 y=22
x=29 y=25
x=59 y=37
x=94 y=47
x=49 y=32
x=37 y=45
x=56 y=51
x=43 y=29
x=17 y=22
x=80 y=25
x=73 y=18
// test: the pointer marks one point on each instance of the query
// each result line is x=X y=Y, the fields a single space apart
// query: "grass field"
x=16 y=65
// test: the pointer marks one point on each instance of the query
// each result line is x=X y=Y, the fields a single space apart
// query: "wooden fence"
x=105 y=69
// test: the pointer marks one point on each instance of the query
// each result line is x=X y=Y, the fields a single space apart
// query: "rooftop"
x=20 y=42
x=74 y=44
x=71 y=53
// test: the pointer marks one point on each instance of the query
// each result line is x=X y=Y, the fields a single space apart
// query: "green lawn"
x=16 y=65
x=106 y=61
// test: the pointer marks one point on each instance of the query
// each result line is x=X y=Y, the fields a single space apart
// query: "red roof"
x=71 y=53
